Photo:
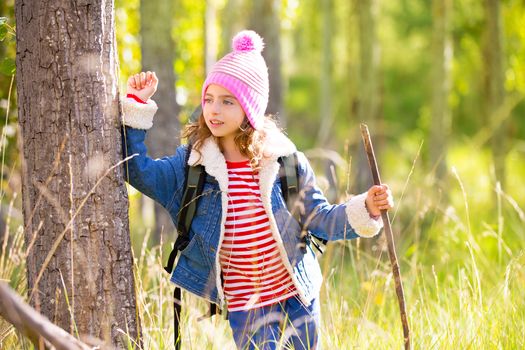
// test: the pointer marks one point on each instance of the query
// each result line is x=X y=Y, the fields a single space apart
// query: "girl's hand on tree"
x=143 y=85
x=379 y=198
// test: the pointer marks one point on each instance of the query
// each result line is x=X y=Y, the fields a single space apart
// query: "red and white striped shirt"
x=253 y=272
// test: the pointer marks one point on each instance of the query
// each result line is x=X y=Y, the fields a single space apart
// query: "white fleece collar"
x=276 y=145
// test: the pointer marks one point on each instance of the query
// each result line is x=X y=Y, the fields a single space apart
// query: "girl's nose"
x=215 y=107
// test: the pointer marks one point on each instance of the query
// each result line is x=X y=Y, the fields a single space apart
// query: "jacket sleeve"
x=333 y=221
x=159 y=179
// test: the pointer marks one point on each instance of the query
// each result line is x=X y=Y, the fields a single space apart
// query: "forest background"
x=441 y=85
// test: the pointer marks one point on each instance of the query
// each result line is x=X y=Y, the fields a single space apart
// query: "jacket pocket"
x=194 y=254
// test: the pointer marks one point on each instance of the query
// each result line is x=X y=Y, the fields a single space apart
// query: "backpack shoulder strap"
x=289 y=176
x=195 y=177
x=193 y=187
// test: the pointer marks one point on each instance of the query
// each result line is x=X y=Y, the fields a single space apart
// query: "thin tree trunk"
x=326 y=114
x=230 y=24
x=368 y=104
x=266 y=22
x=495 y=91
x=80 y=268
x=210 y=35
x=441 y=80
x=158 y=54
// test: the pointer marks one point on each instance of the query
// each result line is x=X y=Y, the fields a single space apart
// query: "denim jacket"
x=198 y=269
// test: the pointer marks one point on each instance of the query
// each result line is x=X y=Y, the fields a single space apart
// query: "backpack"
x=195 y=177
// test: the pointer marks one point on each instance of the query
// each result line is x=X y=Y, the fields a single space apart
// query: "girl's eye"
x=228 y=102
x=207 y=100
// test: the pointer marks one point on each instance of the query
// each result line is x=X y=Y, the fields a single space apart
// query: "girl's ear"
x=245 y=125
x=201 y=120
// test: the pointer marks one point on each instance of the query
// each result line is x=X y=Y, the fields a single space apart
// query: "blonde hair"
x=249 y=141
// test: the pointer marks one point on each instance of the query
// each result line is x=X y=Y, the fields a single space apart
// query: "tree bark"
x=80 y=269
x=158 y=54
x=265 y=21
x=441 y=80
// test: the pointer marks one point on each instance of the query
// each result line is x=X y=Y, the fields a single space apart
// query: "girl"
x=245 y=246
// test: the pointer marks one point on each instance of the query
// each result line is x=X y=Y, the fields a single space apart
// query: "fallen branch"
x=389 y=237
x=33 y=325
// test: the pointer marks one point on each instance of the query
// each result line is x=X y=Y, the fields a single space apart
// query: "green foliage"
x=514 y=15
x=299 y=97
x=3 y=28
x=8 y=108
x=188 y=33
x=127 y=23
x=7 y=66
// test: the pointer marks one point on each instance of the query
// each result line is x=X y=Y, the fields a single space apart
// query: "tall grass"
x=462 y=255
x=12 y=270
x=462 y=260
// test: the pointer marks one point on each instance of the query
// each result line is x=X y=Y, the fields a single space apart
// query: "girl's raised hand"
x=143 y=85
x=379 y=198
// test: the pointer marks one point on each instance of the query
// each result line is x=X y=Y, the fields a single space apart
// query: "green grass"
x=461 y=253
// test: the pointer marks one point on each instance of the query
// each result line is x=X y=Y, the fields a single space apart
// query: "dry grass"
x=462 y=261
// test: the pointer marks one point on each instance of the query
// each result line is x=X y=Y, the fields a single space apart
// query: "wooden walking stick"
x=389 y=237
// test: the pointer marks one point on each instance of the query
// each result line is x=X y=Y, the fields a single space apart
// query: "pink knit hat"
x=243 y=72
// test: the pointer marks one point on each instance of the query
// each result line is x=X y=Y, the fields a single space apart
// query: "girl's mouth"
x=216 y=122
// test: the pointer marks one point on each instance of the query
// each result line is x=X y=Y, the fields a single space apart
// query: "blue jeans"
x=287 y=324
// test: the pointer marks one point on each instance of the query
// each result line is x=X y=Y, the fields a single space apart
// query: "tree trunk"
x=368 y=104
x=265 y=21
x=158 y=54
x=80 y=269
x=441 y=80
x=494 y=81
x=230 y=23
x=326 y=114
x=210 y=35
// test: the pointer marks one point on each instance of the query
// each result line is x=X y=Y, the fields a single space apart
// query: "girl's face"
x=222 y=112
